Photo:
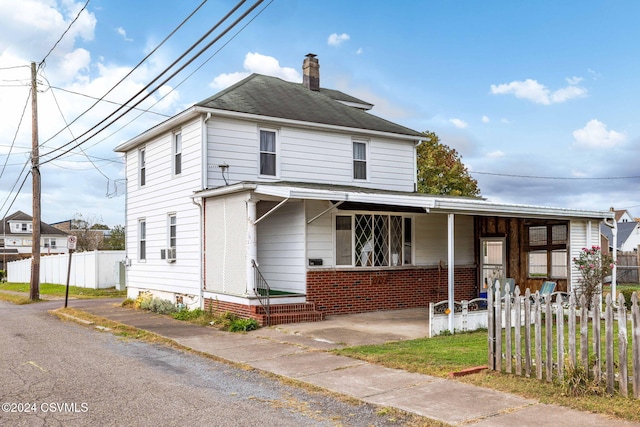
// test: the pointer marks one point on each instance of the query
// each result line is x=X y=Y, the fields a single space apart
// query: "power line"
x=128 y=74
x=198 y=54
x=15 y=136
x=63 y=34
x=14 y=186
x=554 y=177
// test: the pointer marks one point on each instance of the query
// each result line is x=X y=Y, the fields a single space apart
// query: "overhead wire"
x=184 y=21
x=188 y=76
x=187 y=63
x=554 y=177
x=15 y=136
x=63 y=34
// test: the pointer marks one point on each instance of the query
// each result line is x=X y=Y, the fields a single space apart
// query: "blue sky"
x=540 y=98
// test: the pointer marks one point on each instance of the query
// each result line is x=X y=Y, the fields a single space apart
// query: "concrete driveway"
x=354 y=329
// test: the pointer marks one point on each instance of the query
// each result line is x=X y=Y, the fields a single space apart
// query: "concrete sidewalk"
x=304 y=359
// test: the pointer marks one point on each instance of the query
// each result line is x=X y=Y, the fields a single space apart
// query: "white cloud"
x=536 y=92
x=574 y=80
x=505 y=120
x=460 y=124
x=359 y=51
x=256 y=63
x=121 y=31
x=496 y=154
x=596 y=135
x=337 y=39
x=485 y=119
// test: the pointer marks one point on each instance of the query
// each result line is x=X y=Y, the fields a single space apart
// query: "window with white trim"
x=268 y=153
x=177 y=153
x=142 y=167
x=367 y=240
x=359 y=160
x=142 y=240
x=172 y=223
x=49 y=242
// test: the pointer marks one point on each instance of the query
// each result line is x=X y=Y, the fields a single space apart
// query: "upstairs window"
x=359 y=160
x=142 y=166
x=267 y=153
x=177 y=153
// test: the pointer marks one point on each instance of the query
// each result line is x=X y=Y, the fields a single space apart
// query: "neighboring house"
x=16 y=238
x=300 y=187
x=628 y=237
x=88 y=239
x=623 y=215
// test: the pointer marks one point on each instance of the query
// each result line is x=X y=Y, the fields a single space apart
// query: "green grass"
x=60 y=290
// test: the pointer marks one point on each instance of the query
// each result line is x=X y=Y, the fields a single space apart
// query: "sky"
x=539 y=98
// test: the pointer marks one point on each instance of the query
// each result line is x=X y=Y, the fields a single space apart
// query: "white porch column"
x=252 y=243
x=450 y=268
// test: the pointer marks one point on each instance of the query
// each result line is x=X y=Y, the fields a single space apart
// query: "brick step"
x=285 y=308
x=284 y=318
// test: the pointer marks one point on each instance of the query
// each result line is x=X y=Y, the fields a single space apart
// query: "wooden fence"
x=531 y=353
x=628 y=270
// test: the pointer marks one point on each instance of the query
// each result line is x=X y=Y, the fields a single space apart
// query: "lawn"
x=57 y=290
x=450 y=353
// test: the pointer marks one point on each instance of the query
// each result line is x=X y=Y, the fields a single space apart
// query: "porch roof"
x=430 y=203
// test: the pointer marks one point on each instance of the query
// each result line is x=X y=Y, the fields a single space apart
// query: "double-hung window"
x=366 y=240
x=142 y=166
x=172 y=231
x=268 y=157
x=359 y=160
x=177 y=153
x=547 y=251
x=142 y=240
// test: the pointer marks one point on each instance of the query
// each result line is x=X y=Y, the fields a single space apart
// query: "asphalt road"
x=56 y=373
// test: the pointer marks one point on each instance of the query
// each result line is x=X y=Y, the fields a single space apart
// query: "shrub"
x=3 y=274
x=187 y=314
x=576 y=381
x=243 y=325
x=128 y=303
x=162 y=306
x=627 y=297
x=593 y=266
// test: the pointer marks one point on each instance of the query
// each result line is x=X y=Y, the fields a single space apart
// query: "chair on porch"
x=547 y=288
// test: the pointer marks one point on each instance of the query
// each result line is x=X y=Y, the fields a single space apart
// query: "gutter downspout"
x=200 y=204
x=614 y=271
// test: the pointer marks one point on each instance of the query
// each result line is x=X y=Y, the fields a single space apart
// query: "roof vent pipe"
x=311 y=72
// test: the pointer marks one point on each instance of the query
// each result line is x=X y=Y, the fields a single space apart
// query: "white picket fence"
x=467 y=316
x=95 y=270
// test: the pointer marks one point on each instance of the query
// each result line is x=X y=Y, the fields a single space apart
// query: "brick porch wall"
x=360 y=291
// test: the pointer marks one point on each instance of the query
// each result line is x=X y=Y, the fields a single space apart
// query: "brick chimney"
x=311 y=72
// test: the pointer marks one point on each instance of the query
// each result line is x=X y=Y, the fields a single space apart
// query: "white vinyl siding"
x=305 y=155
x=164 y=192
x=281 y=243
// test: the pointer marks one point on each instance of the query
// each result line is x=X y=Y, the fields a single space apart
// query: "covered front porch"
x=347 y=250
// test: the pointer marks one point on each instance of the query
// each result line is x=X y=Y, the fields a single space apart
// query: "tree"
x=593 y=266
x=441 y=171
x=115 y=241
x=89 y=232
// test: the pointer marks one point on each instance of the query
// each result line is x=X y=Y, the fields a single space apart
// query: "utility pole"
x=34 y=293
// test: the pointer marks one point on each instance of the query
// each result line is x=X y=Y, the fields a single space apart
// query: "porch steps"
x=288 y=313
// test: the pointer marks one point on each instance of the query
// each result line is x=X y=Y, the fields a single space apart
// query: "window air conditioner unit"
x=171 y=254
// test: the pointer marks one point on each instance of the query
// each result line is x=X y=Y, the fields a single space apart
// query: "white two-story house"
x=16 y=238
x=298 y=192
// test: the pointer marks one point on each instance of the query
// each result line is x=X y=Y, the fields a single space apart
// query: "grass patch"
x=449 y=353
x=60 y=290
x=15 y=299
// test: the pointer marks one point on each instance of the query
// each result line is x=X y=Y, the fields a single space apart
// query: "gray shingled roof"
x=21 y=216
x=272 y=97
x=624 y=231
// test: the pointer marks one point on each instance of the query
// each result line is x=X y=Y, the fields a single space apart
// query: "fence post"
x=584 y=333
x=622 y=346
x=491 y=332
x=507 y=328
x=518 y=327
x=608 y=330
x=527 y=333
x=597 y=346
x=498 y=326
x=538 y=333
x=572 y=330
x=560 y=335
x=548 y=321
x=635 y=344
